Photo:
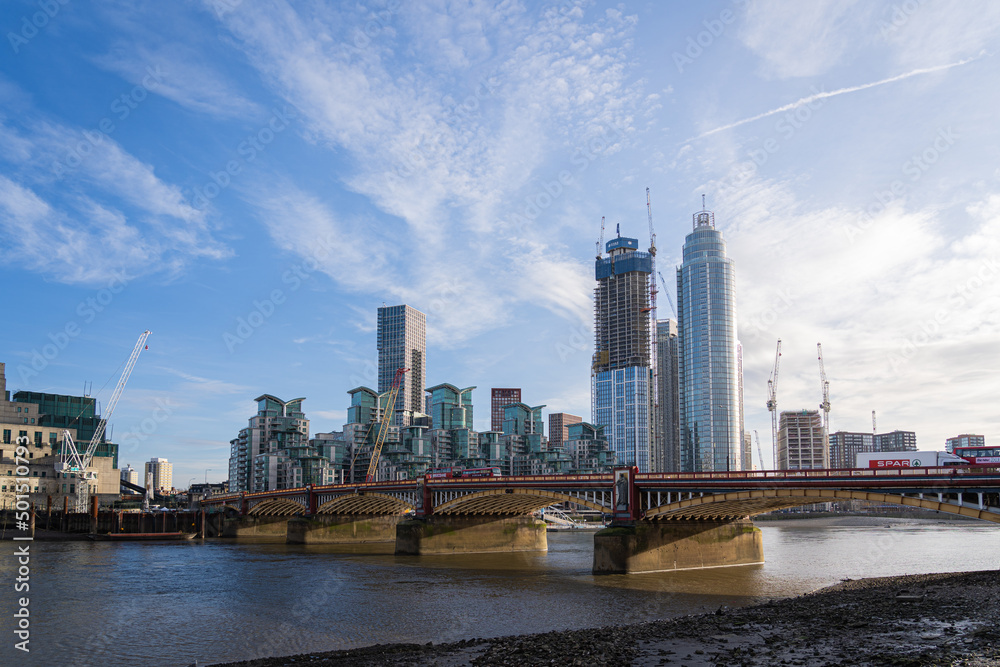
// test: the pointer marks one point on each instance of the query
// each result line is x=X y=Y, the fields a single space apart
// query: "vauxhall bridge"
x=660 y=521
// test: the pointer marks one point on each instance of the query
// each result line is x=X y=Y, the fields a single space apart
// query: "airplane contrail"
x=841 y=91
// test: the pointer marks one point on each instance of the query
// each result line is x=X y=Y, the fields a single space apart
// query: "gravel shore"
x=933 y=619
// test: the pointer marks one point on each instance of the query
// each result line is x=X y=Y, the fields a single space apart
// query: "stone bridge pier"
x=454 y=534
x=661 y=546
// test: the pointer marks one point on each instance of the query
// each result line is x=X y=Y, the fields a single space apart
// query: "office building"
x=161 y=474
x=402 y=343
x=559 y=423
x=710 y=429
x=621 y=391
x=802 y=441
x=666 y=444
x=964 y=440
x=845 y=447
x=499 y=398
x=896 y=441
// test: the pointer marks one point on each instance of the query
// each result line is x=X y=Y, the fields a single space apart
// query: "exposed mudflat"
x=931 y=619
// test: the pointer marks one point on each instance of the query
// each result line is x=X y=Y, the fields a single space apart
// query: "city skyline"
x=169 y=169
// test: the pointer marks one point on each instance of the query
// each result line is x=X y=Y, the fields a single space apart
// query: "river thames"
x=113 y=604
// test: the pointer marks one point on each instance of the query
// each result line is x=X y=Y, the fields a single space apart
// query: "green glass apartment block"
x=451 y=407
x=522 y=419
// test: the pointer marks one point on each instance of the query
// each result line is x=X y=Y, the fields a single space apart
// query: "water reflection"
x=216 y=601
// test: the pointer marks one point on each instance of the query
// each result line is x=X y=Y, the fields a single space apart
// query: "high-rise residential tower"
x=666 y=454
x=402 y=343
x=559 y=423
x=621 y=378
x=802 y=442
x=710 y=432
x=500 y=397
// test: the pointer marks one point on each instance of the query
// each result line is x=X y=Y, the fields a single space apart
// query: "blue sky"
x=250 y=181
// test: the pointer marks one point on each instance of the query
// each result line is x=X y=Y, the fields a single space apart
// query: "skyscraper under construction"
x=710 y=429
x=621 y=374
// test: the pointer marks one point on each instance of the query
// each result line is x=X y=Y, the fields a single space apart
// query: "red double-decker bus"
x=979 y=456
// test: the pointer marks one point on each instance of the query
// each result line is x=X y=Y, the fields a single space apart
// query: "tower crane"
x=70 y=460
x=654 y=393
x=873 y=424
x=600 y=241
x=772 y=402
x=825 y=386
x=384 y=425
x=667 y=293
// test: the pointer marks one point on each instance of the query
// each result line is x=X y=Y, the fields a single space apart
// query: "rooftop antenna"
x=703 y=207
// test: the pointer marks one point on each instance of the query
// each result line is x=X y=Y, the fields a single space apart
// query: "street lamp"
x=206 y=475
x=189 y=483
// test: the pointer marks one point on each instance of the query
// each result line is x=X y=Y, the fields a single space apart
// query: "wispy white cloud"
x=184 y=77
x=448 y=151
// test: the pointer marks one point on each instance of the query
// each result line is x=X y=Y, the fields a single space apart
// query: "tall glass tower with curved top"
x=710 y=437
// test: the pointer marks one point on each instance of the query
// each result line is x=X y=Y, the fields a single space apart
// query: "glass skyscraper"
x=621 y=374
x=710 y=433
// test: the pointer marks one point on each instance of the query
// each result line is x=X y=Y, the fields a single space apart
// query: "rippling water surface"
x=113 y=604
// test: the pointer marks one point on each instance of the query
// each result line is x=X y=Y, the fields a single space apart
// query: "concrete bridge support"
x=448 y=534
x=342 y=529
x=260 y=528
x=660 y=546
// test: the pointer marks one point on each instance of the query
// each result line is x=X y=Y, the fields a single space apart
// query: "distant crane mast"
x=772 y=403
x=600 y=241
x=825 y=405
x=873 y=426
x=70 y=460
x=667 y=293
x=760 y=454
x=654 y=391
x=383 y=430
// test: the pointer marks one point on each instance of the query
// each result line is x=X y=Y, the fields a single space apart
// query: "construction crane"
x=384 y=426
x=760 y=454
x=772 y=402
x=70 y=460
x=825 y=387
x=654 y=392
x=667 y=293
x=873 y=424
x=600 y=241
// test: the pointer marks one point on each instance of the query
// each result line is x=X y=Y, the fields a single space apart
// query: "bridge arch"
x=365 y=503
x=277 y=507
x=511 y=501
x=737 y=504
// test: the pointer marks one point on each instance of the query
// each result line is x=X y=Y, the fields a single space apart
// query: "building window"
x=38 y=438
x=6 y=436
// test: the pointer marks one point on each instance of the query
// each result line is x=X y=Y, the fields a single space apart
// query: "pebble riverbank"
x=910 y=621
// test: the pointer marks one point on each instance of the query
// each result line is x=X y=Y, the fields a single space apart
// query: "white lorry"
x=908 y=460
